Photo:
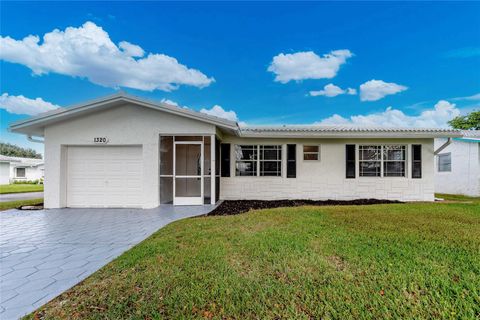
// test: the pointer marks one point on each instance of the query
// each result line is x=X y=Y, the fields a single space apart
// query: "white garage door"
x=104 y=176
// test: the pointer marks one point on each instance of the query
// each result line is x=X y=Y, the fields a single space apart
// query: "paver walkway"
x=43 y=253
x=20 y=196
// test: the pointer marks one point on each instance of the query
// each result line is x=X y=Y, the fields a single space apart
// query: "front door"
x=188 y=173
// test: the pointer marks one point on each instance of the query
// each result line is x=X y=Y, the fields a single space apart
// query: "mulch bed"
x=231 y=207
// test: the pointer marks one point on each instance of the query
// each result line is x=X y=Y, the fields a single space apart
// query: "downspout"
x=29 y=138
x=443 y=146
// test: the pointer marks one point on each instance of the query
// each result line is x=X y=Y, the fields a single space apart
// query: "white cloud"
x=23 y=105
x=442 y=112
x=377 y=89
x=170 y=102
x=351 y=91
x=218 y=111
x=88 y=52
x=307 y=65
x=331 y=90
x=475 y=97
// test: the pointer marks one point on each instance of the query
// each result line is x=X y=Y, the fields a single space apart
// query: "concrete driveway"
x=43 y=253
x=20 y=196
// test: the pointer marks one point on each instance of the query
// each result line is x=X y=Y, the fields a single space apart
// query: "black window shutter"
x=350 y=161
x=417 y=161
x=225 y=154
x=291 y=160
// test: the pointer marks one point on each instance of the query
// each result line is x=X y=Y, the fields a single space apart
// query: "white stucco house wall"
x=20 y=169
x=457 y=166
x=123 y=151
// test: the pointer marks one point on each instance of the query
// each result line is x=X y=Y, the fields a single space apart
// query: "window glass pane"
x=269 y=153
x=310 y=156
x=20 y=172
x=166 y=190
x=370 y=152
x=246 y=168
x=207 y=156
x=217 y=157
x=188 y=160
x=206 y=190
x=310 y=148
x=311 y=152
x=245 y=152
x=394 y=168
x=394 y=152
x=444 y=162
x=166 y=155
x=188 y=187
x=370 y=169
x=270 y=168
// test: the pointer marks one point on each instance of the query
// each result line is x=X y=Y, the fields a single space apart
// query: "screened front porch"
x=189 y=172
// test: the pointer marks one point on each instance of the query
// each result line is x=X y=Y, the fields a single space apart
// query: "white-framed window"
x=271 y=160
x=444 y=163
x=394 y=161
x=370 y=161
x=246 y=157
x=258 y=160
x=20 y=172
x=382 y=160
x=311 y=152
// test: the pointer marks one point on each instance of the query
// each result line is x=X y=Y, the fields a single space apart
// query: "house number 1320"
x=100 y=140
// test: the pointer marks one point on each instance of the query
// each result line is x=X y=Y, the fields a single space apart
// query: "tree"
x=11 y=150
x=469 y=122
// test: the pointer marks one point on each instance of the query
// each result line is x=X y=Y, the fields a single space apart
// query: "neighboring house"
x=122 y=151
x=20 y=169
x=457 y=166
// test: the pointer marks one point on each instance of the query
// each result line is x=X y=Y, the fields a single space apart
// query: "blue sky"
x=411 y=64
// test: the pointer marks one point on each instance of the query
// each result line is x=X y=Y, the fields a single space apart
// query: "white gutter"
x=443 y=146
x=29 y=138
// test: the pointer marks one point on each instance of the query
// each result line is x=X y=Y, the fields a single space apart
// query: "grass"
x=413 y=261
x=15 y=204
x=20 y=188
x=457 y=197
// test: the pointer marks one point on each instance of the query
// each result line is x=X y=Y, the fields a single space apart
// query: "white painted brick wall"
x=325 y=179
x=465 y=175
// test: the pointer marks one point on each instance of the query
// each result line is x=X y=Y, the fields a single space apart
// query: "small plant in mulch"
x=231 y=207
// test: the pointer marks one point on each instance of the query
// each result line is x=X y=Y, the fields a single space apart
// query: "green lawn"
x=413 y=261
x=18 y=203
x=20 y=188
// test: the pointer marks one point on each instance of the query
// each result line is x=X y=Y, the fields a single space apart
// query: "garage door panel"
x=104 y=176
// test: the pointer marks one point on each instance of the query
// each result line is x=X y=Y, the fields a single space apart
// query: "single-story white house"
x=457 y=166
x=123 y=151
x=20 y=169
